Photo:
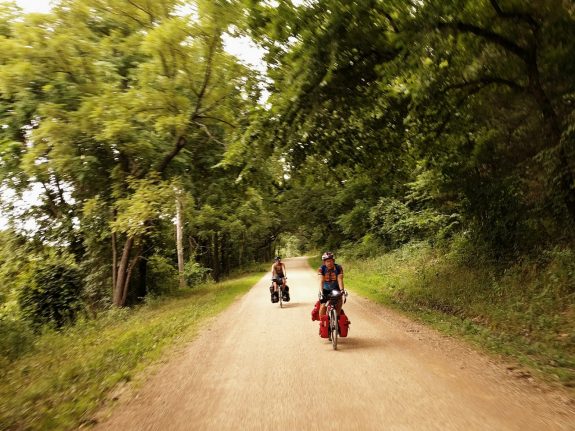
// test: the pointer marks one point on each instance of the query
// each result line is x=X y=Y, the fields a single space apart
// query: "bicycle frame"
x=280 y=290
x=333 y=317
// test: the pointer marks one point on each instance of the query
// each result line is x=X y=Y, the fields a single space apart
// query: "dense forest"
x=151 y=158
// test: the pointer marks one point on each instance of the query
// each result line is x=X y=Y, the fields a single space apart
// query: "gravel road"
x=259 y=367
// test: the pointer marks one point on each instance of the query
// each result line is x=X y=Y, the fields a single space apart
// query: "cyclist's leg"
x=339 y=306
x=323 y=306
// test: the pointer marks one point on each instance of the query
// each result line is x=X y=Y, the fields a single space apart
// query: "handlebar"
x=343 y=294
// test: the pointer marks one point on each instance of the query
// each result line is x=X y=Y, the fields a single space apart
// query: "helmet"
x=327 y=255
x=277 y=258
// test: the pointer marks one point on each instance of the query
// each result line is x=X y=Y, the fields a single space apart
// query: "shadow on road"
x=292 y=304
x=355 y=343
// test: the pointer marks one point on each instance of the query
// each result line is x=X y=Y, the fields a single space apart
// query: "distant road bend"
x=259 y=367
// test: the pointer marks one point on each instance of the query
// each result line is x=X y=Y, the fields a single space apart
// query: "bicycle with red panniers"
x=328 y=310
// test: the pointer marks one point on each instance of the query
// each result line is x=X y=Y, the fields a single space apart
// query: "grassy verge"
x=526 y=312
x=69 y=373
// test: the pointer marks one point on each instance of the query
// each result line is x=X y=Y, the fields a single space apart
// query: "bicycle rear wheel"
x=333 y=327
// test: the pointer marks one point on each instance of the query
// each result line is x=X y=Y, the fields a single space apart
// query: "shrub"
x=52 y=295
x=162 y=276
x=16 y=338
x=196 y=274
x=395 y=223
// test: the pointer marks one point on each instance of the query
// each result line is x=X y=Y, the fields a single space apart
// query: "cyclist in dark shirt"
x=331 y=278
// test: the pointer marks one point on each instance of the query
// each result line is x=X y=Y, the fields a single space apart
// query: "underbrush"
x=525 y=310
x=67 y=374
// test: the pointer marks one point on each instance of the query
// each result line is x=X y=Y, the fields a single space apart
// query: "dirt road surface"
x=259 y=367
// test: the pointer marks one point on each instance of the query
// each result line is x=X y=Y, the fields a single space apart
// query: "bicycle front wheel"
x=333 y=328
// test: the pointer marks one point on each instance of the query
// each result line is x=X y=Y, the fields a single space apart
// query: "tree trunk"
x=180 y=239
x=565 y=173
x=114 y=261
x=215 y=256
x=142 y=286
x=225 y=254
x=129 y=272
x=122 y=275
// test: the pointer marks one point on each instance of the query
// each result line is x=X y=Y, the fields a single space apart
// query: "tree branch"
x=137 y=6
x=208 y=133
x=209 y=117
x=485 y=81
x=207 y=75
x=54 y=209
x=488 y=35
x=391 y=22
x=520 y=16
x=181 y=143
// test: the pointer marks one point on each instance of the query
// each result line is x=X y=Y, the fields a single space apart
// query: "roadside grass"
x=525 y=312
x=69 y=373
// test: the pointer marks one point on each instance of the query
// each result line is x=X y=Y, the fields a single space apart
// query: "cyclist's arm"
x=273 y=271
x=340 y=282
x=284 y=268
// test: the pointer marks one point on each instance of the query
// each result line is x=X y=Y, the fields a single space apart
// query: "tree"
x=125 y=97
x=471 y=95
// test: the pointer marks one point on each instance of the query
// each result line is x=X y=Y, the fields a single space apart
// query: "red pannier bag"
x=343 y=323
x=323 y=326
x=315 y=312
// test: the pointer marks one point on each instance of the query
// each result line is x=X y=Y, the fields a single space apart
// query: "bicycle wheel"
x=333 y=328
x=281 y=294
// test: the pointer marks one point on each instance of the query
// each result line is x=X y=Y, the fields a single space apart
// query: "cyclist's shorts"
x=326 y=294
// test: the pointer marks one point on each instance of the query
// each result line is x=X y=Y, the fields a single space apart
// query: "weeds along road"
x=259 y=367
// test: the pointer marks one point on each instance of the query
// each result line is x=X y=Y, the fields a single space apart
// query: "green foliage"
x=70 y=372
x=386 y=123
x=369 y=246
x=53 y=295
x=15 y=255
x=396 y=224
x=16 y=339
x=148 y=201
x=162 y=276
x=419 y=121
x=524 y=310
x=196 y=274
x=105 y=116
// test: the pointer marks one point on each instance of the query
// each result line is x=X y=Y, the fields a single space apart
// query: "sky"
x=34 y=5
x=243 y=48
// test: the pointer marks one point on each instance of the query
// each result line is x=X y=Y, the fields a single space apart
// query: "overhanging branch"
x=485 y=81
x=519 y=16
x=488 y=35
